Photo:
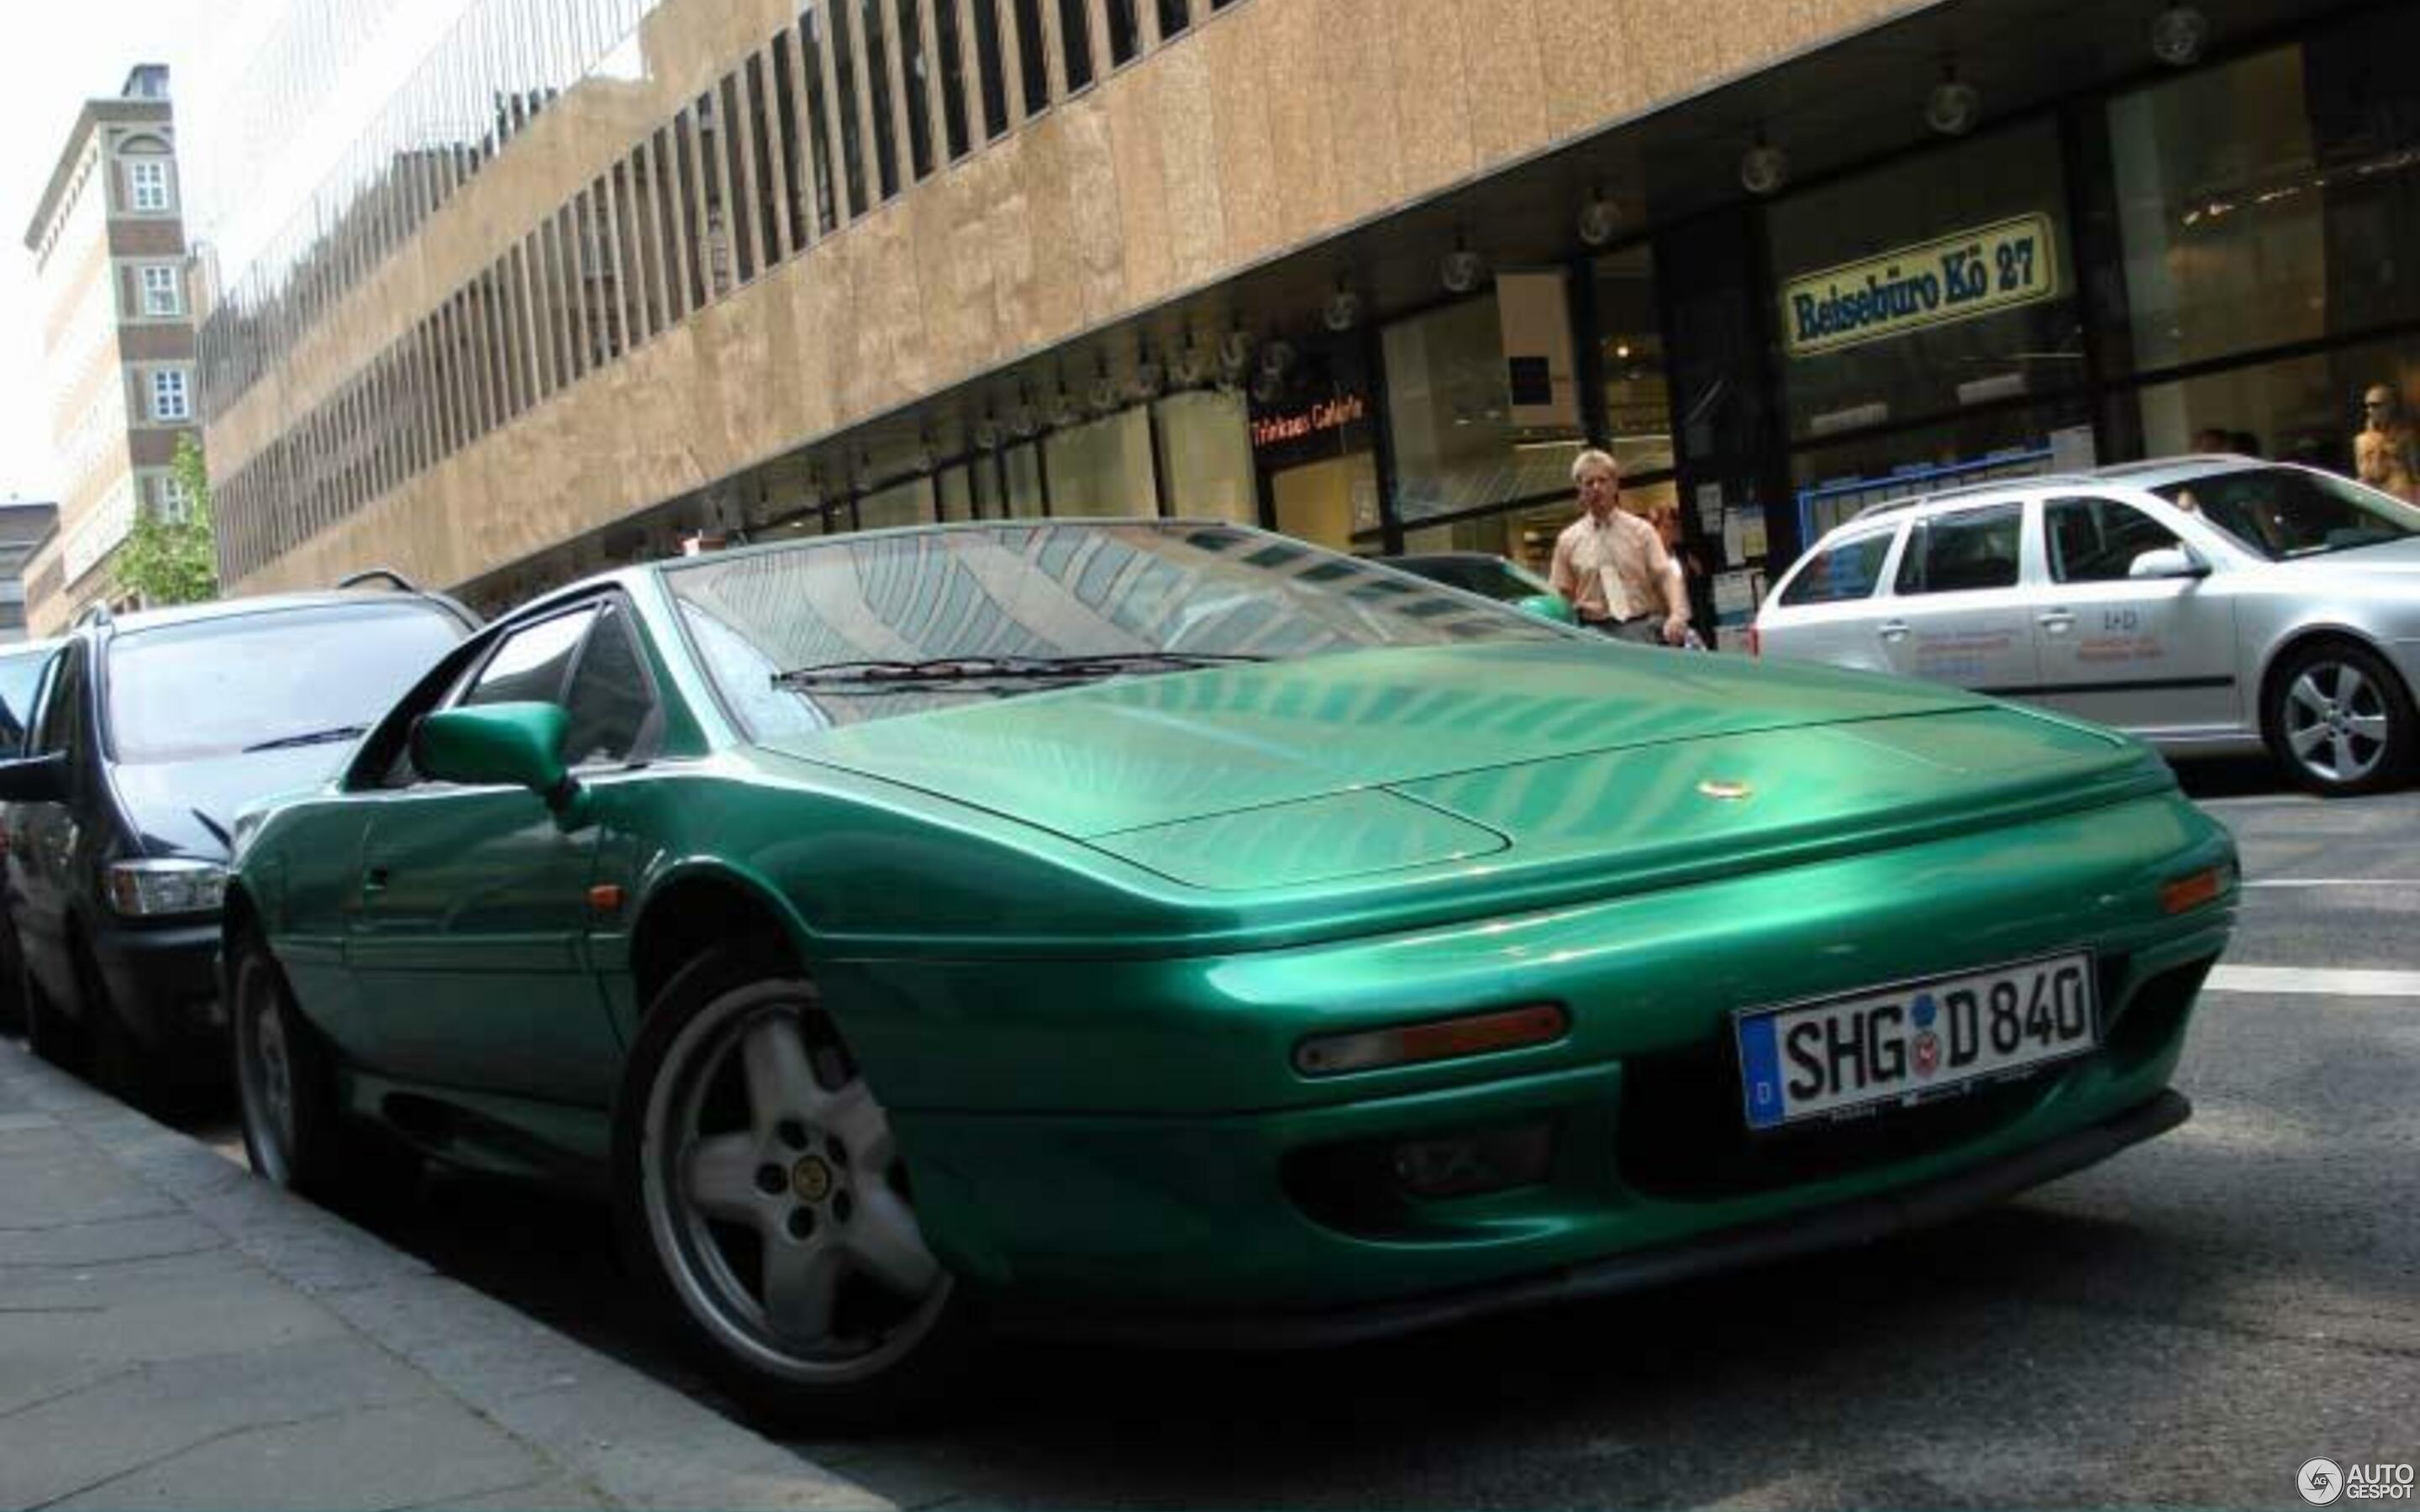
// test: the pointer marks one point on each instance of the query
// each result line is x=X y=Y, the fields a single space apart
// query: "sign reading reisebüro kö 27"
x=1958 y=277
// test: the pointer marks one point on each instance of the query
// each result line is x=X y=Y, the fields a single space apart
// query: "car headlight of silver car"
x=141 y=889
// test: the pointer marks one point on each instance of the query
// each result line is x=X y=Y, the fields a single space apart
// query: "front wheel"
x=757 y=1184
x=285 y=1079
x=2338 y=721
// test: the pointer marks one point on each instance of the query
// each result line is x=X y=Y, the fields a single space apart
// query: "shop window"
x=1102 y=469
x=1205 y=454
x=2307 y=409
x=1937 y=283
x=1630 y=350
x=902 y=503
x=1973 y=550
x=1023 y=468
x=1462 y=440
x=1527 y=535
x=1841 y=573
x=1835 y=482
x=2274 y=198
x=957 y=491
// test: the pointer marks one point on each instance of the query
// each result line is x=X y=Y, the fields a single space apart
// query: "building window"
x=175 y=502
x=147 y=181
x=160 y=294
x=170 y=399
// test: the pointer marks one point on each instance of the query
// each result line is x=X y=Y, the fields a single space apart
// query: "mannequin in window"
x=2386 y=455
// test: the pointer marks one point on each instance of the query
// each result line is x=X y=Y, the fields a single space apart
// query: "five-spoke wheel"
x=2338 y=720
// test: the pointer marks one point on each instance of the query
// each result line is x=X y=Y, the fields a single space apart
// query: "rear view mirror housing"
x=2169 y=562
x=1553 y=607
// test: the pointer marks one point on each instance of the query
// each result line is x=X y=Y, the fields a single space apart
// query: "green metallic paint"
x=517 y=743
x=1036 y=924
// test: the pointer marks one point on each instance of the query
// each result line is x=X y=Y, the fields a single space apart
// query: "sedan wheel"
x=2339 y=720
x=283 y=1080
x=759 y=1181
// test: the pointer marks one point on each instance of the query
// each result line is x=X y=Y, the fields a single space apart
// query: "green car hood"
x=1291 y=773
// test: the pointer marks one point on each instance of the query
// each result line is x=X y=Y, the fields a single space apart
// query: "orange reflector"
x=2192 y=892
x=1479 y=1034
x=605 y=898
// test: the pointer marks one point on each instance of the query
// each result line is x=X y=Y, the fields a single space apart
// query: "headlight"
x=140 y=889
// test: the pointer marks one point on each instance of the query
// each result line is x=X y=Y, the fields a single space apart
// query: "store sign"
x=1312 y=419
x=1956 y=278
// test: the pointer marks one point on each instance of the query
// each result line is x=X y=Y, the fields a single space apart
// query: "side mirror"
x=1553 y=607
x=35 y=778
x=516 y=744
x=2169 y=562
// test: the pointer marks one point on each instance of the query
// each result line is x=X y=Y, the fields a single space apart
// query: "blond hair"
x=1593 y=456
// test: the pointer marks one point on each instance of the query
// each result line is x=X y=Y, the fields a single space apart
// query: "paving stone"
x=109 y=1241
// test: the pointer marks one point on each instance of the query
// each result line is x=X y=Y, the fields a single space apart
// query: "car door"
x=2155 y=656
x=42 y=837
x=1825 y=611
x=1956 y=612
x=467 y=939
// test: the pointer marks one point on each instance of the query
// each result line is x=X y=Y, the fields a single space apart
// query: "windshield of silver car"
x=2292 y=512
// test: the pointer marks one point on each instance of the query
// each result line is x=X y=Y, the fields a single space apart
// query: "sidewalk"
x=174 y=1332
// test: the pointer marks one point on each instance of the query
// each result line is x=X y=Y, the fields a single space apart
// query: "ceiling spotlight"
x=1342 y=310
x=1062 y=408
x=1021 y=418
x=1954 y=105
x=2178 y=34
x=986 y=432
x=1106 y=397
x=1192 y=364
x=1763 y=168
x=1236 y=349
x=1460 y=269
x=1276 y=356
x=1149 y=377
x=1599 y=220
x=1266 y=387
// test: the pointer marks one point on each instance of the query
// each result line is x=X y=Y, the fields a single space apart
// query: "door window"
x=2097 y=540
x=1841 y=573
x=1959 y=553
x=611 y=703
x=532 y=666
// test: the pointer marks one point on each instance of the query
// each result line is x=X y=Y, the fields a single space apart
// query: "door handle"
x=2056 y=619
x=1892 y=629
x=374 y=879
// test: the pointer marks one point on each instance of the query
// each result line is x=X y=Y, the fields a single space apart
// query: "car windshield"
x=19 y=671
x=1488 y=576
x=861 y=628
x=252 y=682
x=2288 y=512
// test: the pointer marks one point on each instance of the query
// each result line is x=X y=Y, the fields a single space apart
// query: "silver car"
x=2208 y=604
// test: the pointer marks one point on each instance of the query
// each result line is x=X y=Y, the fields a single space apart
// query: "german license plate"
x=1904 y=1044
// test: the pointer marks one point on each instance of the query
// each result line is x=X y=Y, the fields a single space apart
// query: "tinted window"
x=609 y=701
x=529 y=666
x=1841 y=573
x=1489 y=576
x=19 y=672
x=2286 y=512
x=2097 y=540
x=1957 y=553
x=215 y=686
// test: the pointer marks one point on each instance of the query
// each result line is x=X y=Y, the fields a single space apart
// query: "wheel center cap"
x=810 y=1179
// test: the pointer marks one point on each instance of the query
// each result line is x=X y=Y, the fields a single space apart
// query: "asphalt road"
x=2184 y=1325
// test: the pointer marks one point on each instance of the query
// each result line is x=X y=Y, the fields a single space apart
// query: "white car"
x=2208 y=604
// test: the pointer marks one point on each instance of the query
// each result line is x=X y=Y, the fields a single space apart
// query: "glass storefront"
x=1205 y=457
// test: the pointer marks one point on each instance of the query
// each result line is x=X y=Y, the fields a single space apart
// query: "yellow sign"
x=1958 y=277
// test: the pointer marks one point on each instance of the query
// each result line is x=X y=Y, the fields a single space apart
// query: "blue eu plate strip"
x=1761 y=1066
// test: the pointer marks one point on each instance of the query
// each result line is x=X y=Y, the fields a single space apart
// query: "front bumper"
x=164 y=982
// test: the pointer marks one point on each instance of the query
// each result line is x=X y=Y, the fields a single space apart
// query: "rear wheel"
x=2338 y=720
x=285 y=1079
x=757 y=1185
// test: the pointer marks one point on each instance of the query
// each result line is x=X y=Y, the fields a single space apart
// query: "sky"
x=57 y=57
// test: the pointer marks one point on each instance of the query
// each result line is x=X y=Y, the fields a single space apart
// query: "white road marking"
x=2331 y=882
x=2314 y=981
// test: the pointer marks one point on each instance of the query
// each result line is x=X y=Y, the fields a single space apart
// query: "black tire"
x=714 y=1189
x=48 y=1033
x=12 y=977
x=284 y=1078
x=2338 y=721
x=121 y=1064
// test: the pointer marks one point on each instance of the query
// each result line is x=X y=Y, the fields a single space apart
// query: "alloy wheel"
x=2337 y=722
x=774 y=1195
x=265 y=1072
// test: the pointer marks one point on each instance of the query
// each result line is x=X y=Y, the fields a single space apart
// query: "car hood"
x=1297 y=772
x=2393 y=566
x=188 y=808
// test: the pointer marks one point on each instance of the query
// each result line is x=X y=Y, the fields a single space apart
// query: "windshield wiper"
x=881 y=673
x=310 y=737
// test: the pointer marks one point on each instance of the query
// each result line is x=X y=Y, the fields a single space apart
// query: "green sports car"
x=1175 y=930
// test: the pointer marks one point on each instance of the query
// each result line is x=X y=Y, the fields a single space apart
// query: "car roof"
x=2155 y=472
x=232 y=608
x=16 y=649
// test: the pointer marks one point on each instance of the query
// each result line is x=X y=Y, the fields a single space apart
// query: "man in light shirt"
x=1611 y=566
